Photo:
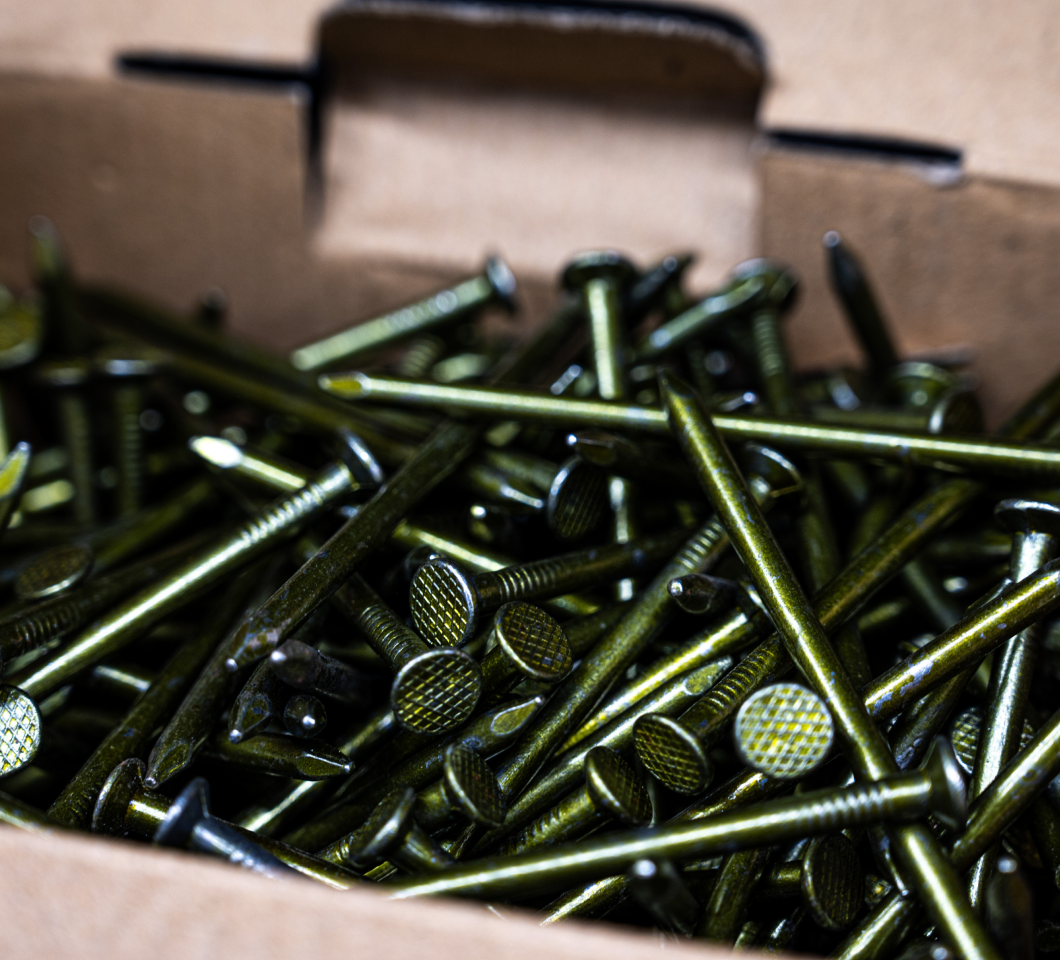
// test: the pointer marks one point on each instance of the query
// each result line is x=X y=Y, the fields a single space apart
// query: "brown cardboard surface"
x=69 y=896
x=979 y=75
x=970 y=266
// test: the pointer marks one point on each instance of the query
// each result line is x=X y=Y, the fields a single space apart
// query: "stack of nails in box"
x=624 y=621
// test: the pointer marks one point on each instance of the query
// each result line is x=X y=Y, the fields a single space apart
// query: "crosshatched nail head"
x=784 y=730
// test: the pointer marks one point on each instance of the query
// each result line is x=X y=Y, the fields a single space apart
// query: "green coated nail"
x=258 y=704
x=955 y=454
x=186 y=582
x=446 y=604
x=805 y=639
x=68 y=379
x=485 y=734
x=330 y=567
x=390 y=834
x=434 y=689
x=829 y=879
x=128 y=375
x=468 y=790
x=1036 y=539
x=524 y=643
x=612 y=791
x=127 y=807
x=1013 y=790
x=305 y=716
x=495 y=285
x=304 y=759
x=937 y=787
x=737 y=296
x=307 y=669
x=133 y=734
x=53 y=572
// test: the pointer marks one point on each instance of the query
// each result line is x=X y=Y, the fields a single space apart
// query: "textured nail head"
x=533 y=641
x=832 y=882
x=615 y=788
x=784 y=730
x=436 y=691
x=673 y=754
x=444 y=605
x=578 y=499
x=472 y=788
x=20 y=730
x=54 y=571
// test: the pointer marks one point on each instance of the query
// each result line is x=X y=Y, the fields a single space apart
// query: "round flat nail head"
x=784 y=730
x=54 y=571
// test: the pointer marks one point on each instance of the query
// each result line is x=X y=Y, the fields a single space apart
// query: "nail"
x=611 y=792
x=315 y=411
x=341 y=555
x=267 y=470
x=914 y=848
x=725 y=911
x=434 y=689
x=770 y=356
x=702 y=594
x=129 y=375
x=736 y=630
x=658 y=887
x=67 y=379
x=1011 y=793
x=485 y=734
x=50 y=619
x=772 y=476
x=305 y=716
x=468 y=789
x=676 y=751
x=257 y=705
x=126 y=807
x=828 y=877
x=447 y=604
x=20 y=730
x=525 y=642
x=937 y=787
x=419 y=358
x=188 y=824
x=954 y=454
x=735 y=297
x=1035 y=529
x=284 y=476
x=621 y=457
x=54 y=571
x=391 y=834
x=307 y=669
x=964 y=645
x=277 y=809
x=133 y=734
x=13 y=472
x=660 y=286
x=602 y=278
x=784 y=730
x=861 y=308
x=305 y=759
x=184 y=583
x=197 y=715
x=494 y=285
x=574 y=494
x=1009 y=909
x=568 y=770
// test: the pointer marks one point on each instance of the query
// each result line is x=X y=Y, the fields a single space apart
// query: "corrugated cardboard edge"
x=70 y=896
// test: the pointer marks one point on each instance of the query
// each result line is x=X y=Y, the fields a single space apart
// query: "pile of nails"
x=625 y=620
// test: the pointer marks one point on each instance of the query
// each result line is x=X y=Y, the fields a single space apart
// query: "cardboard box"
x=436 y=132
